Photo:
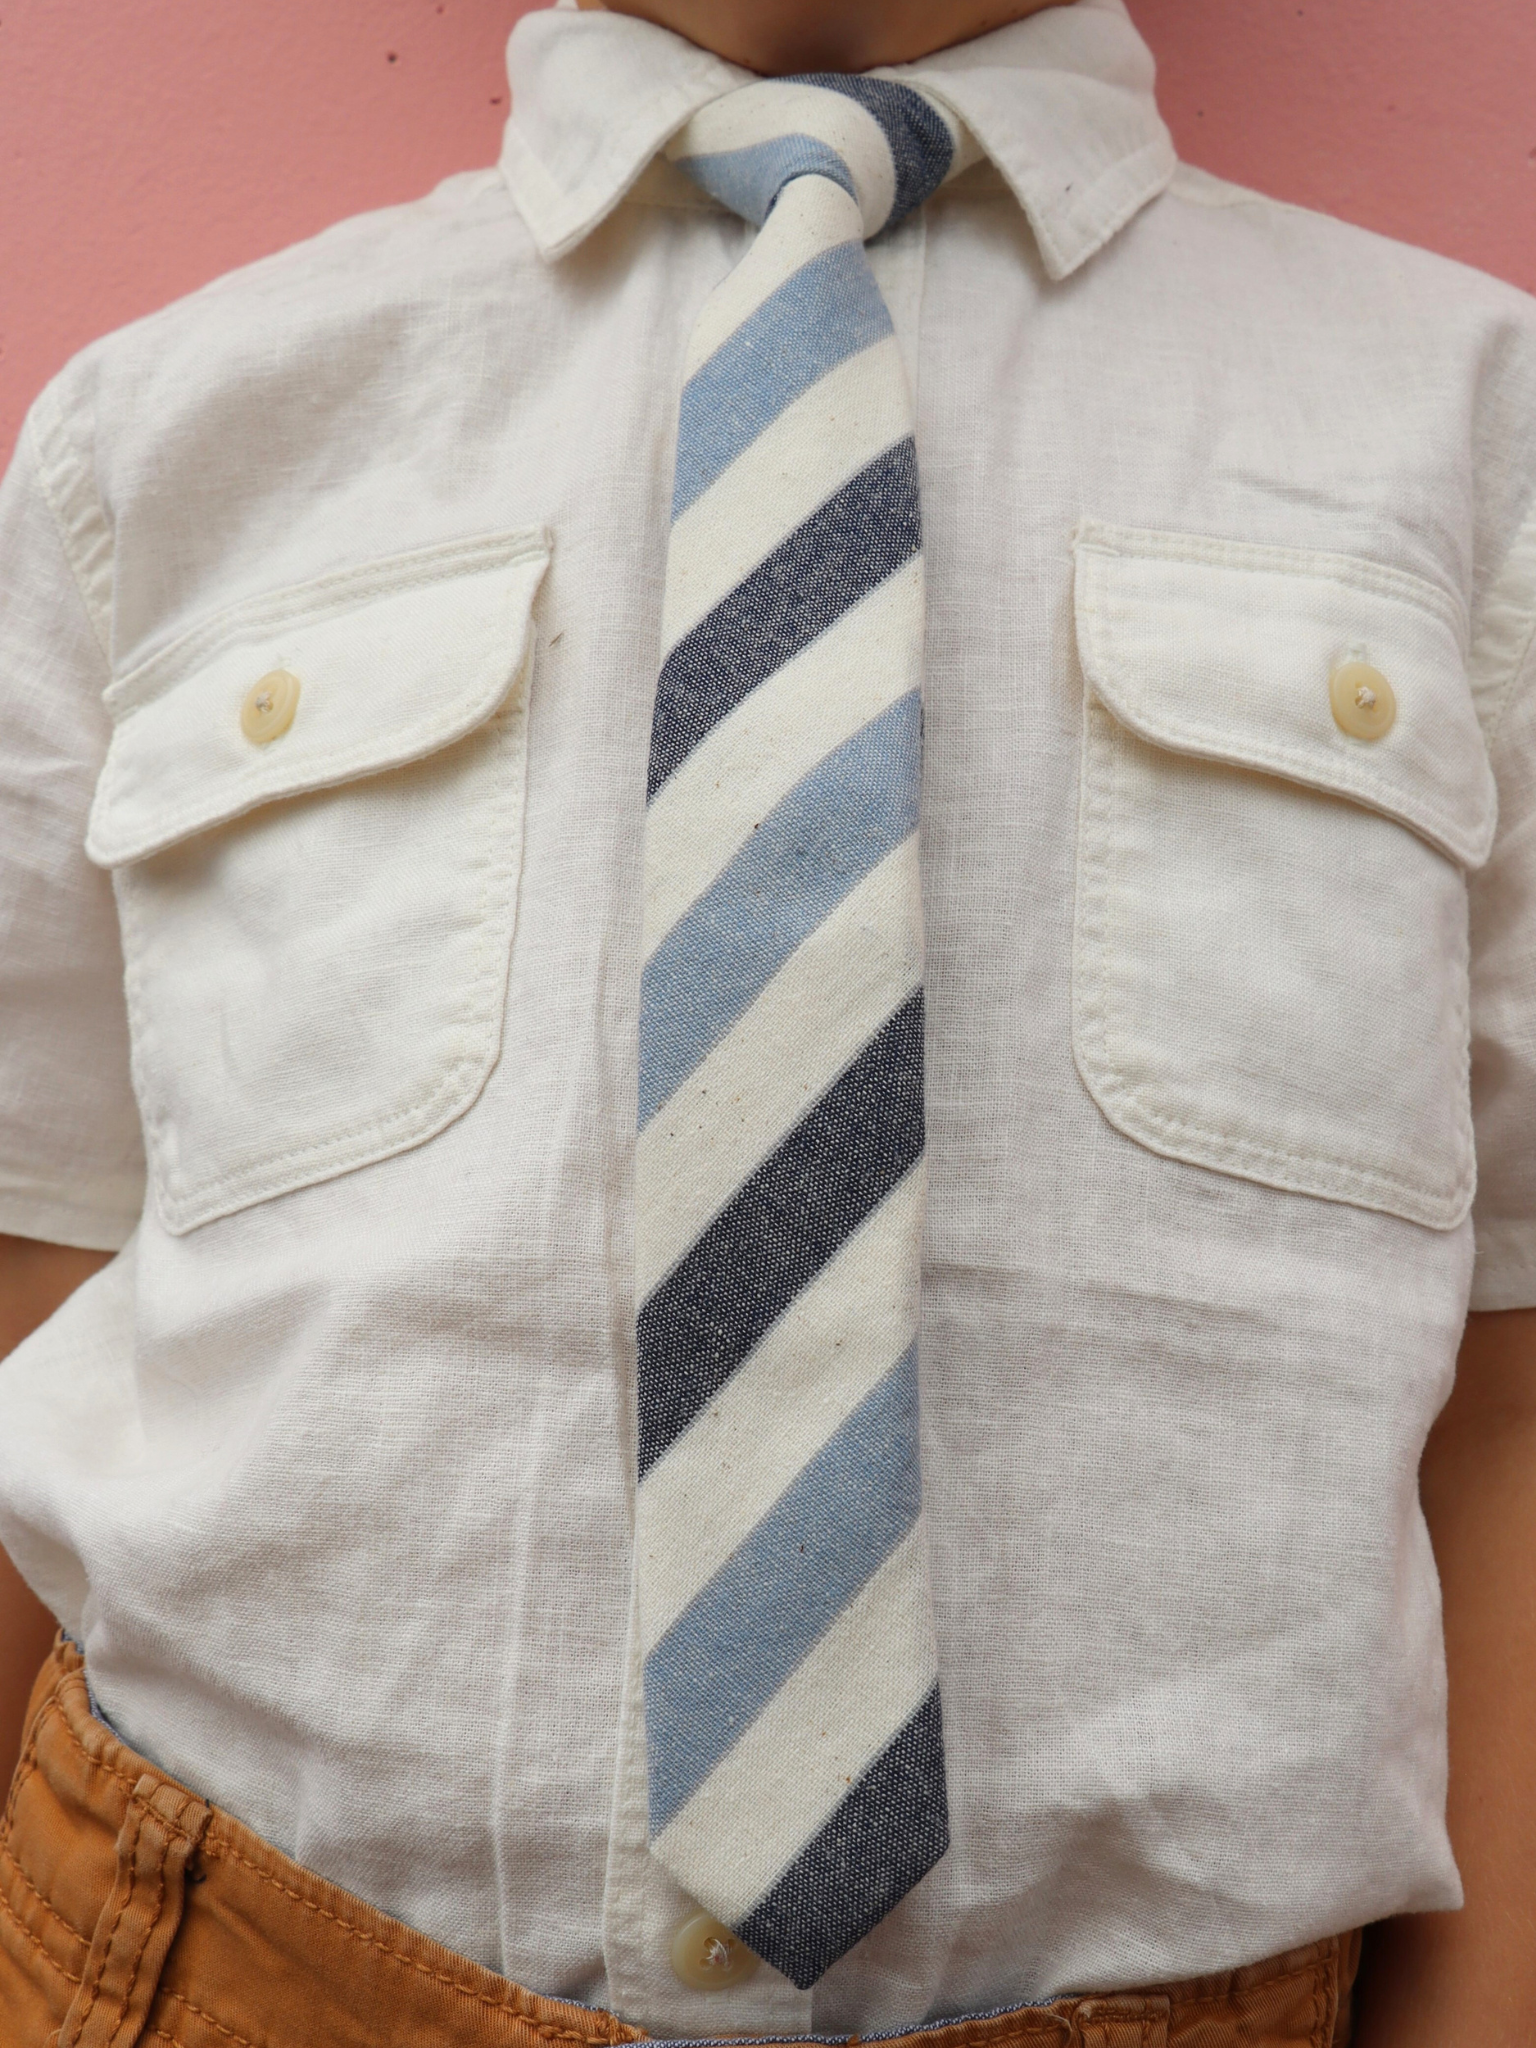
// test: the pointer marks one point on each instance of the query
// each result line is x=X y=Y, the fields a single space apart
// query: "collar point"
x=1071 y=228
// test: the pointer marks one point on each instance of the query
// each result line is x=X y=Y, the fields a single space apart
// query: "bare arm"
x=1468 y=1979
x=34 y=1279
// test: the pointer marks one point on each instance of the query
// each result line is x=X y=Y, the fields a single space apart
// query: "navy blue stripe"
x=749 y=180
x=774 y=1236
x=828 y=310
x=834 y=827
x=862 y=534
x=733 y=1646
x=922 y=148
x=889 y=1831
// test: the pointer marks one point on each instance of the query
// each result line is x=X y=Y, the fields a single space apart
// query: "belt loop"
x=138 y=1923
x=1133 y=2022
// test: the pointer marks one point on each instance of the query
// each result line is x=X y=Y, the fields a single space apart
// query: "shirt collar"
x=1061 y=102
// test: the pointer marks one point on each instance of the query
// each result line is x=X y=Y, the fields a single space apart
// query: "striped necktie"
x=793 y=1739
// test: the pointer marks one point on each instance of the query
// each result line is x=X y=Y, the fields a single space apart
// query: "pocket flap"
x=1225 y=650
x=394 y=660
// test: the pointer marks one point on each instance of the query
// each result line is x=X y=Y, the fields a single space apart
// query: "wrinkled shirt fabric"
x=331 y=1038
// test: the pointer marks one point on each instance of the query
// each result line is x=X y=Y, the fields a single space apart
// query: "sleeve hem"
x=1506 y=630
x=55 y=1220
x=1505 y=1274
x=73 y=501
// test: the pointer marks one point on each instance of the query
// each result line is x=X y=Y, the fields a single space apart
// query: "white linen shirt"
x=331 y=1469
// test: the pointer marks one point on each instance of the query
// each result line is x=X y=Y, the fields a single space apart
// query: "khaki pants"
x=132 y=1912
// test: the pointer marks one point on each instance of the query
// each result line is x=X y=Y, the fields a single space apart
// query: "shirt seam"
x=1514 y=1246
x=74 y=504
x=1506 y=1270
x=51 y=1207
x=1506 y=631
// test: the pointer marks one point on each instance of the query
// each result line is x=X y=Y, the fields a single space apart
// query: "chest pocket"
x=317 y=909
x=1270 y=954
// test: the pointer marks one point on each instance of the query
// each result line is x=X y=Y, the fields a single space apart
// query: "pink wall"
x=150 y=144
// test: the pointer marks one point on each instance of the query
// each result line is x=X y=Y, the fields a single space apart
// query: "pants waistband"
x=133 y=1912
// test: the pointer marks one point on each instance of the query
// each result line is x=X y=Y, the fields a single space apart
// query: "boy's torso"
x=1198 y=1250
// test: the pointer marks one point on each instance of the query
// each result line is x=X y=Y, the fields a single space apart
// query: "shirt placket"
x=642 y=1906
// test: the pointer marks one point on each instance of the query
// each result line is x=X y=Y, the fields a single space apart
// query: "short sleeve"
x=1504 y=948
x=71 y=1153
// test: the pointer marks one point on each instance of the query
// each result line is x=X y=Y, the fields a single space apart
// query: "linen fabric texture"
x=794 y=1733
x=1201 y=975
x=137 y=1913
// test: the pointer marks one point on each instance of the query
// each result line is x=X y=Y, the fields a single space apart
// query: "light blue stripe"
x=828 y=310
x=856 y=806
x=749 y=180
x=751 y=1627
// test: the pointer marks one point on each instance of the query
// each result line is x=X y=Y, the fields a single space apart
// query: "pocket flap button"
x=269 y=706
x=1362 y=700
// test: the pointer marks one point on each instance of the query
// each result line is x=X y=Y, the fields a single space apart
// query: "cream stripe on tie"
x=793 y=1733
x=740 y=1103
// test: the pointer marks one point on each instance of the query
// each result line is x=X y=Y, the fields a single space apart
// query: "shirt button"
x=1362 y=700
x=269 y=706
x=708 y=1957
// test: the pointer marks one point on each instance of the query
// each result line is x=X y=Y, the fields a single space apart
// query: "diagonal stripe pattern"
x=793 y=1733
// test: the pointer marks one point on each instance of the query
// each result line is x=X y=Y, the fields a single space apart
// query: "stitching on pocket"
x=1350 y=572
x=1094 y=1029
x=131 y=820
x=382 y=577
x=175 y=1998
x=10 y=1861
x=511 y=2001
x=187 y=1200
x=31 y=1939
x=1097 y=615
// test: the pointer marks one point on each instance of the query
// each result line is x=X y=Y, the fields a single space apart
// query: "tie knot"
x=888 y=145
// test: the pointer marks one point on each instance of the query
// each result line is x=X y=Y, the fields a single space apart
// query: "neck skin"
x=778 y=36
